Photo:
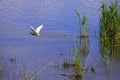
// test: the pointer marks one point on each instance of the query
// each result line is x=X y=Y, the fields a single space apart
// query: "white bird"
x=36 y=32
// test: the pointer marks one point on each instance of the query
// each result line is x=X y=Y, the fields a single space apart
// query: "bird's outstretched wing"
x=39 y=28
x=33 y=30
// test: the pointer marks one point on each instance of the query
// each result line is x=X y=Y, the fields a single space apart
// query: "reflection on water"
x=58 y=35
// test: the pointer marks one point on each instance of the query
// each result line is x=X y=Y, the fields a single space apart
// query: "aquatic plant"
x=83 y=38
x=77 y=73
x=0 y=67
x=110 y=33
x=77 y=67
x=84 y=21
x=76 y=64
x=26 y=75
x=78 y=13
x=80 y=49
x=67 y=63
x=109 y=28
x=83 y=25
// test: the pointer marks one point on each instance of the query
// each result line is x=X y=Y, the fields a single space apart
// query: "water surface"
x=57 y=36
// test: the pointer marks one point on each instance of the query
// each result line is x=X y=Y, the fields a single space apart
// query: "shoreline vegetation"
x=110 y=29
x=109 y=41
x=109 y=37
x=80 y=50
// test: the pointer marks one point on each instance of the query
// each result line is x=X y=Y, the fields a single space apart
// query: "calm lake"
x=21 y=52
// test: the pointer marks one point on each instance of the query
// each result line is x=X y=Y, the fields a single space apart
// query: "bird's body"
x=36 y=32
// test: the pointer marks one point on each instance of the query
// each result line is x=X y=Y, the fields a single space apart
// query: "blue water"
x=57 y=36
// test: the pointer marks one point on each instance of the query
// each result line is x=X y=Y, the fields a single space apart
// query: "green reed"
x=83 y=24
x=84 y=33
x=77 y=74
x=67 y=63
x=76 y=63
x=79 y=50
x=81 y=47
x=109 y=28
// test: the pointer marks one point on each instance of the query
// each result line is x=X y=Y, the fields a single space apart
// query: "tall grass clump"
x=77 y=73
x=81 y=46
x=83 y=33
x=109 y=28
x=83 y=24
x=79 y=50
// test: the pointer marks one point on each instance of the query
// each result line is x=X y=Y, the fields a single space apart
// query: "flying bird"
x=36 y=32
